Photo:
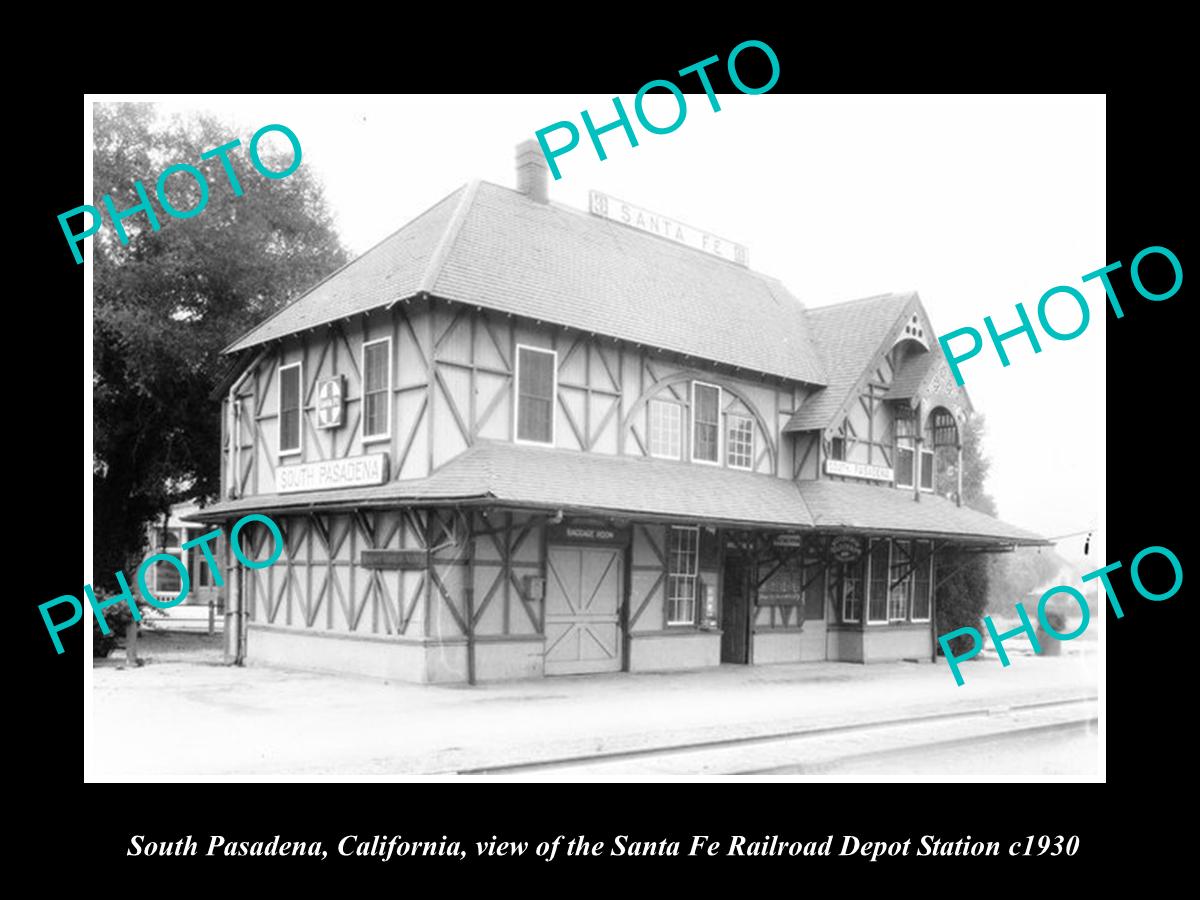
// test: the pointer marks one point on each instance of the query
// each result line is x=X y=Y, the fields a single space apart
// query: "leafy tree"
x=1013 y=576
x=962 y=595
x=166 y=304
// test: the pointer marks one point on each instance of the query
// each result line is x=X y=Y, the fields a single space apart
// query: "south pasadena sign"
x=627 y=214
x=353 y=471
x=859 y=470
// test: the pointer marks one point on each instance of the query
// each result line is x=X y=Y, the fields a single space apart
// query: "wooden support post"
x=469 y=598
x=235 y=622
x=429 y=564
x=958 y=473
x=933 y=635
x=917 y=467
x=131 y=639
x=918 y=434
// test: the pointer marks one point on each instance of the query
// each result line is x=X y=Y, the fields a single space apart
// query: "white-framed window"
x=878 y=572
x=922 y=582
x=197 y=565
x=377 y=389
x=928 y=449
x=163 y=577
x=166 y=580
x=905 y=456
x=683 y=560
x=850 y=582
x=291 y=407
x=537 y=385
x=666 y=429
x=706 y=423
x=898 y=594
x=837 y=448
x=739 y=441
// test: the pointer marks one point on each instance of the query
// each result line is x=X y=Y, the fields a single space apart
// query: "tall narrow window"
x=837 y=448
x=927 y=455
x=927 y=462
x=706 y=422
x=851 y=582
x=877 y=610
x=289 y=409
x=198 y=568
x=901 y=579
x=377 y=389
x=922 y=582
x=683 y=560
x=739 y=441
x=536 y=383
x=666 y=417
x=814 y=591
x=906 y=427
x=904 y=462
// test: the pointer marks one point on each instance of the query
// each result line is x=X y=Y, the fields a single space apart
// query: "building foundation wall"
x=344 y=654
x=895 y=643
x=777 y=646
x=509 y=659
x=665 y=652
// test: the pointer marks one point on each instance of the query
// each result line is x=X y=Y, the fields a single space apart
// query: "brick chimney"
x=532 y=172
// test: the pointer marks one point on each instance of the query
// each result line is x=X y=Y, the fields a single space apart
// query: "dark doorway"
x=735 y=618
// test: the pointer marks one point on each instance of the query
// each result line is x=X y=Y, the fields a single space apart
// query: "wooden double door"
x=584 y=586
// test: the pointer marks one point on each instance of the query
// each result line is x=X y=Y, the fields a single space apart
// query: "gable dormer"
x=891 y=414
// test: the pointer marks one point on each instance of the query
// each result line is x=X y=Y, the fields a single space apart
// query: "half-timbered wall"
x=649 y=576
x=453 y=383
x=318 y=584
x=867 y=429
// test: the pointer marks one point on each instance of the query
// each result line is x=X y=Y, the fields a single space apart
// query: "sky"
x=976 y=203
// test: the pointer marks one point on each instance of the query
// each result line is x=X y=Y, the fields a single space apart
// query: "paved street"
x=204 y=719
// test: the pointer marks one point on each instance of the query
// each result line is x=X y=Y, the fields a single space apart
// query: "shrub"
x=962 y=597
x=117 y=617
x=1057 y=620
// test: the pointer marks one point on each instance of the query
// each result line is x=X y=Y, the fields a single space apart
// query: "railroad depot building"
x=518 y=439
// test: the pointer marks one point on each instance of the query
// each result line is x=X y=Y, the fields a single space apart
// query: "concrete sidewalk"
x=205 y=719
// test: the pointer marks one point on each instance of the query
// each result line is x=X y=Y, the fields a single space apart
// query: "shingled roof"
x=910 y=375
x=850 y=506
x=847 y=336
x=490 y=246
x=527 y=476
x=571 y=480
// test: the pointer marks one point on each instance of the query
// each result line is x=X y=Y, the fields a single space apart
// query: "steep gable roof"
x=928 y=374
x=392 y=269
x=493 y=247
x=847 y=335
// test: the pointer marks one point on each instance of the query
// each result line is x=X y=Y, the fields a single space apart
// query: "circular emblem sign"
x=329 y=402
x=845 y=548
